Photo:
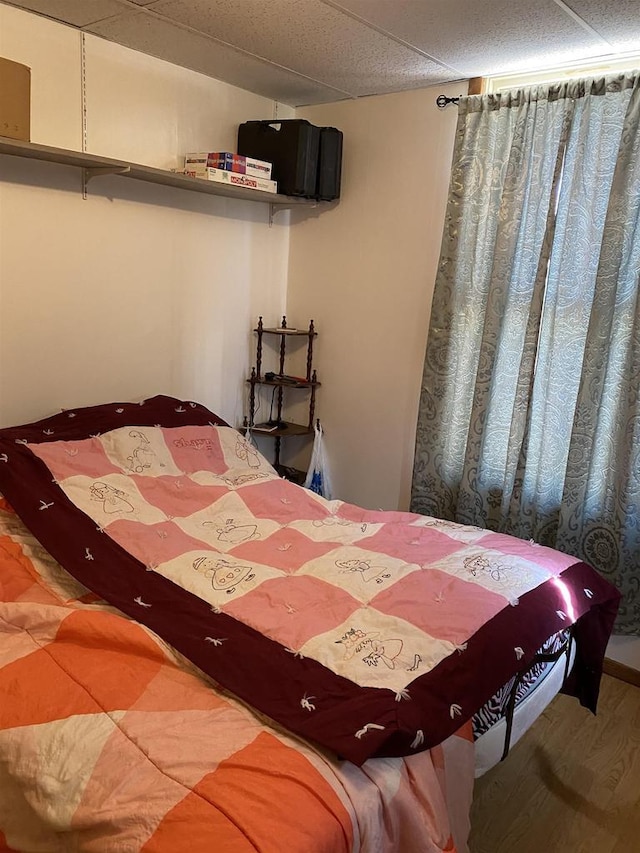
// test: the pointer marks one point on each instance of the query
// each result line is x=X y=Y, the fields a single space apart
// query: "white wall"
x=625 y=650
x=142 y=289
x=364 y=271
x=139 y=289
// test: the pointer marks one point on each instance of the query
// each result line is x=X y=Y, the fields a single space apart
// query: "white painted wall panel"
x=365 y=272
x=52 y=52
x=149 y=111
x=625 y=650
x=139 y=289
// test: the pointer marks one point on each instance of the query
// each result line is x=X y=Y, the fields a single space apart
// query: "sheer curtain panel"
x=529 y=420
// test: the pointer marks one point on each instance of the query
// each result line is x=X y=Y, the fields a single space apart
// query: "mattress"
x=504 y=719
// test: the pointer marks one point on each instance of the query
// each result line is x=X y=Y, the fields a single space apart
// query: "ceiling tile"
x=618 y=23
x=314 y=51
x=78 y=13
x=156 y=37
x=313 y=39
x=485 y=36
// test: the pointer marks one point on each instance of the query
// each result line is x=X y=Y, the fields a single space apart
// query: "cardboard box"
x=15 y=100
x=253 y=182
x=216 y=160
x=222 y=176
x=230 y=162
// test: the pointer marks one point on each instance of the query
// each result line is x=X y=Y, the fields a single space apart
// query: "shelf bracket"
x=274 y=207
x=98 y=172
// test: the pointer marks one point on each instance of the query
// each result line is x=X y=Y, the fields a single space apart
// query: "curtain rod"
x=443 y=100
x=476 y=87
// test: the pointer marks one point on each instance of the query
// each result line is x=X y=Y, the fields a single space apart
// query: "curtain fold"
x=589 y=164
x=529 y=419
x=600 y=508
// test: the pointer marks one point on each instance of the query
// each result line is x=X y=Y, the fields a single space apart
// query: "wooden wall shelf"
x=94 y=166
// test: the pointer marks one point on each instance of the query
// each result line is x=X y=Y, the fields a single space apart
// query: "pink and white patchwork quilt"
x=371 y=633
x=109 y=741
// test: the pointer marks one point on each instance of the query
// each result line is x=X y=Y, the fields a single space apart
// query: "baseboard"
x=621 y=671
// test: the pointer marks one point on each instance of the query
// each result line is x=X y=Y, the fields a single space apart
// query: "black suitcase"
x=329 y=164
x=291 y=145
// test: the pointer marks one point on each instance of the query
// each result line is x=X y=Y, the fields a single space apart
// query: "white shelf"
x=95 y=166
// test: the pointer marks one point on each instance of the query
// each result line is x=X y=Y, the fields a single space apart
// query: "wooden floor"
x=572 y=784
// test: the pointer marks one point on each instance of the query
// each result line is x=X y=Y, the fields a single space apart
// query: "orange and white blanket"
x=111 y=742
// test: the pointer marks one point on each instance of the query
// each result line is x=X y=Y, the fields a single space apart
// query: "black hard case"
x=329 y=164
x=291 y=145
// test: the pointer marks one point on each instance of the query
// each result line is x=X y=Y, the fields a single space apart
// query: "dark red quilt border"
x=259 y=670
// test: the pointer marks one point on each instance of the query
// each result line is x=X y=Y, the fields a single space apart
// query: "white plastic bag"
x=318 y=475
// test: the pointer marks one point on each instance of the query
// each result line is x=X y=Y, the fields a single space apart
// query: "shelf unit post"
x=283 y=345
x=259 y=351
x=312 y=333
x=312 y=400
x=283 y=348
x=279 y=407
x=252 y=395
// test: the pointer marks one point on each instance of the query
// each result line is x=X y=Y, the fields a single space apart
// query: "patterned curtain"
x=529 y=418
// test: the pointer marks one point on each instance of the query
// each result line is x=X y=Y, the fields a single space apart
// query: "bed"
x=228 y=657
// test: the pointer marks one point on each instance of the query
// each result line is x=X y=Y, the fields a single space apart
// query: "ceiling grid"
x=303 y=52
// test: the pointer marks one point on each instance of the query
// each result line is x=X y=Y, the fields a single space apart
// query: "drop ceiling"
x=316 y=51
